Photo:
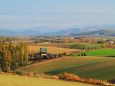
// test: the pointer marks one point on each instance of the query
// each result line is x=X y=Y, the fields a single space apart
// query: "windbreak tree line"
x=12 y=55
x=84 y=46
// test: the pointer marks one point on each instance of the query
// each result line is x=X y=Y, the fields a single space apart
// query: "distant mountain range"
x=96 y=33
x=89 y=30
x=85 y=29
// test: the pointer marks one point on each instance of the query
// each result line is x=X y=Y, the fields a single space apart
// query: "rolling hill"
x=85 y=67
x=101 y=69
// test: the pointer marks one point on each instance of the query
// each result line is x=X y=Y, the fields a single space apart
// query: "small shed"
x=111 y=42
x=43 y=51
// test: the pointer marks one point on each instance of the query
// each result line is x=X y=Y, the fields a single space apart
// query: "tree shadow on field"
x=112 y=81
x=110 y=56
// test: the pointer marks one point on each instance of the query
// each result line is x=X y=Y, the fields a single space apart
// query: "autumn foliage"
x=72 y=77
x=12 y=55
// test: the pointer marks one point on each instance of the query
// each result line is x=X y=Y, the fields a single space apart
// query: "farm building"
x=111 y=42
x=43 y=51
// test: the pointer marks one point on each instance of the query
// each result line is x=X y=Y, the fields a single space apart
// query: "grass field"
x=61 y=63
x=101 y=69
x=13 y=80
x=85 y=67
x=100 y=52
x=52 y=50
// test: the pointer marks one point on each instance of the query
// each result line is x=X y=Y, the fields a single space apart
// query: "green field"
x=101 y=69
x=13 y=80
x=61 y=63
x=100 y=52
x=85 y=67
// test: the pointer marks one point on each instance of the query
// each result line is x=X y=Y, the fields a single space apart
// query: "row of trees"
x=85 y=46
x=12 y=55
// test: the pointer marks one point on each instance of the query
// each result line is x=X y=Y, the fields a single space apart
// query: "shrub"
x=0 y=71
x=83 y=80
x=96 y=81
x=54 y=56
x=65 y=53
x=112 y=81
x=24 y=63
x=20 y=72
x=84 y=54
x=30 y=74
x=54 y=77
x=41 y=75
x=14 y=66
x=90 y=80
x=35 y=73
x=62 y=54
x=68 y=76
x=72 y=77
x=60 y=76
x=59 y=55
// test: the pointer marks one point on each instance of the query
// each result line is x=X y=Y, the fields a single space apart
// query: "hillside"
x=13 y=80
x=60 y=63
x=96 y=33
x=101 y=69
x=85 y=67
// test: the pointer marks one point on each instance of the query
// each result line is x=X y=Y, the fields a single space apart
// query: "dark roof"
x=50 y=55
x=43 y=50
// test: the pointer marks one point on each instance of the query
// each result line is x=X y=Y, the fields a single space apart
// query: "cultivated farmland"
x=85 y=67
x=100 y=52
x=52 y=50
x=74 y=45
x=13 y=80
x=60 y=63
x=101 y=69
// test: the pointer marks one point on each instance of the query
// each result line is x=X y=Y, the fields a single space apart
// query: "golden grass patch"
x=52 y=50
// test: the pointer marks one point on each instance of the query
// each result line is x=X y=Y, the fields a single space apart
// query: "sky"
x=59 y=14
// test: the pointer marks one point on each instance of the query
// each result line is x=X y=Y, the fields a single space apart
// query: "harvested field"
x=52 y=50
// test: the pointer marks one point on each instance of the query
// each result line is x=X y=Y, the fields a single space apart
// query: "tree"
x=59 y=55
x=12 y=55
x=26 y=53
x=84 y=54
x=6 y=60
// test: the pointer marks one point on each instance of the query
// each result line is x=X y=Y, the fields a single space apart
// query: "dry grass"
x=52 y=50
x=14 y=80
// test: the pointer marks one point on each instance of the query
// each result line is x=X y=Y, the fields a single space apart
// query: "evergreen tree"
x=84 y=54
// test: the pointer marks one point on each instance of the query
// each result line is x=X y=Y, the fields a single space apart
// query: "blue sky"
x=24 y=14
